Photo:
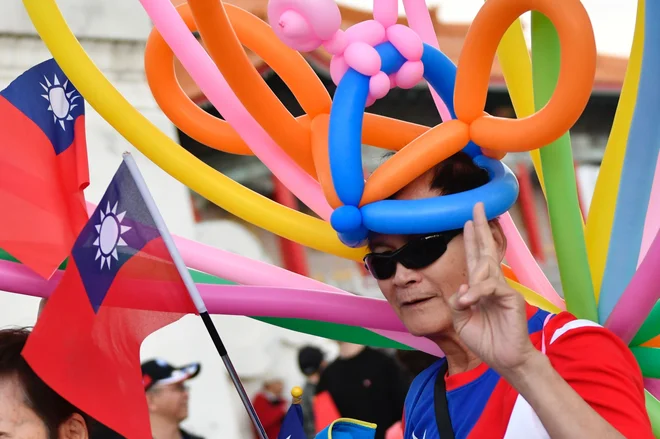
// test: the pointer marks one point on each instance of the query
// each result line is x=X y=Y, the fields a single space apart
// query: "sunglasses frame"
x=447 y=237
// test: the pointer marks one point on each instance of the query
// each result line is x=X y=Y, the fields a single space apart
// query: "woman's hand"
x=490 y=316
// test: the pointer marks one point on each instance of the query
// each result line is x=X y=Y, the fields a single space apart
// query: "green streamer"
x=649 y=361
x=653 y=409
x=559 y=174
x=650 y=329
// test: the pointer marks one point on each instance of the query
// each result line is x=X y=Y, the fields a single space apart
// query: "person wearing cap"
x=311 y=361
x=167 y=397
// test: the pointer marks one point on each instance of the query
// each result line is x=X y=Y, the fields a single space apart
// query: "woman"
x=511 y=370
x=29 y=408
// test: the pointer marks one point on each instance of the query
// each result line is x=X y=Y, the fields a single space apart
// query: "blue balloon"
x=448 y=212
x=402 y=216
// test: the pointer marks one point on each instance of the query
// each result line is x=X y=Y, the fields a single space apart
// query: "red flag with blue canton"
x=43 y=167
x=120 y=285
x=292 y=425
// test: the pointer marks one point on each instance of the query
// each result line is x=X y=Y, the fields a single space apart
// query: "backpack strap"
x=442 y=418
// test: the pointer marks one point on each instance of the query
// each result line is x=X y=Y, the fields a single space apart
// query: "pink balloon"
x=370 y=32
x=420 y=21
x=338 y=68
x=639 y=297
x=363 y=58
x=337 y=44
x=652 y=223
x=379 y=85
x=322 y=19
x=205 y=73
x=653 y=386
x=410 y=74
x=386 y=12
x=247 y=271
x=406 y=41
x=295 y=31
x=239 y=300
x=524 y=265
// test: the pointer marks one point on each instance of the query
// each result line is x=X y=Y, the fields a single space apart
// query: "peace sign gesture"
x=489 y=316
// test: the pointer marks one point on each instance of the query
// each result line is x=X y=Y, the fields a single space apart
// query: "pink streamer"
x=256 y=302
x=524 y=265
x=653 y=386
x=639 y=297
x=204 y=72
x=652 y=223
x=419 y=20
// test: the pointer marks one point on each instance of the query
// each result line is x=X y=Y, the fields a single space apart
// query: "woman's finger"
x=484 y=236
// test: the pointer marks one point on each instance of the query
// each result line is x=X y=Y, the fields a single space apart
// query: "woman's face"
x=420 y=296
x=17 y=420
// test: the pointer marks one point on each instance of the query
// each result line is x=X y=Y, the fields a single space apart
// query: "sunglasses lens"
x=380 y=266
x=422 y=253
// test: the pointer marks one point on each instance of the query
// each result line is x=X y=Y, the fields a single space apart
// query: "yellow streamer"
x=603 y=204
x=516 y=66
x=533 y=298
x=166 y=153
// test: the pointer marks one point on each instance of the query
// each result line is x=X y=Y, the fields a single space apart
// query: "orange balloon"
x=653 y=343
x=170 y=97
x=232 y=61
x=320 y=128
x=576 y=77
x=432 y=147
x=387 y=133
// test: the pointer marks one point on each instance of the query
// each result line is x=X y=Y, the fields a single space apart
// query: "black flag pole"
x=194 y=293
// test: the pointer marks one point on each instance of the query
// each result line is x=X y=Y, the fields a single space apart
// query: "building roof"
x=610 y=70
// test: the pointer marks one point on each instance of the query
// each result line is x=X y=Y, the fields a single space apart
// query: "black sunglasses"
x=416 y=254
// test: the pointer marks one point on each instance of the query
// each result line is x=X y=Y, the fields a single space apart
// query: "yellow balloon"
x=516 y=66
x=533 y=298
x=603 y=204
x=166 y=153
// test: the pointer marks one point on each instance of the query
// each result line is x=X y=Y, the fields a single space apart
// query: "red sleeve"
x=268 y=413
x=601 y=368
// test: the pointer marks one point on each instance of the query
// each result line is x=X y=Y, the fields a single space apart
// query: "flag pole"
x=192 y=290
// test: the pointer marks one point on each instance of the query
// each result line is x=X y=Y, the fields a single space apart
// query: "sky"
x=613 y=20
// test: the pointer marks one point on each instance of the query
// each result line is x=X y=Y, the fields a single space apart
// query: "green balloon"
x=650 y=329
x=653 y=409
x=332 y=331
x=649 y=361
x=559 y=175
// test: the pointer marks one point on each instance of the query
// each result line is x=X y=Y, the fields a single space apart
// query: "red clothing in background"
x=271 y=412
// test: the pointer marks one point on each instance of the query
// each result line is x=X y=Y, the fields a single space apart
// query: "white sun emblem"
x=110 y=230
x=61 y=101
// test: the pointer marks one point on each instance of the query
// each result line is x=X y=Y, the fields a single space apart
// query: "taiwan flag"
x=292 y=425
x=43 y=167
x=120 y=285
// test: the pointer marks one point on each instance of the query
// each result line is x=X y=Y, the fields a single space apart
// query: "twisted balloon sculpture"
x=318 y=155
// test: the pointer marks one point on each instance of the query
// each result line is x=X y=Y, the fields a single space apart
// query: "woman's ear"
x=73 y=428
x=499 y=237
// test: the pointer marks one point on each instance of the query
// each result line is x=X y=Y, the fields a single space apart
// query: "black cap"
x=160 y=372
x=310 y=359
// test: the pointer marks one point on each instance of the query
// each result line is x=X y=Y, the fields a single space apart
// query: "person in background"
x=31 y=409
x=167 y=397
x=270 y=405
x=363 y=384
x=311 y=361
